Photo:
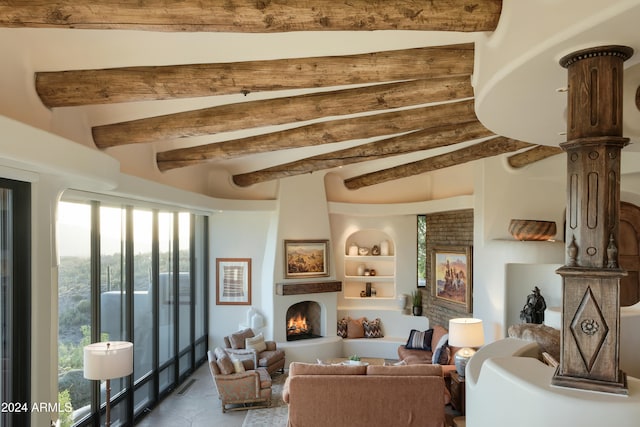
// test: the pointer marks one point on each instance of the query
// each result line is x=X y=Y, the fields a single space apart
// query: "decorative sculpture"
x=533 y=310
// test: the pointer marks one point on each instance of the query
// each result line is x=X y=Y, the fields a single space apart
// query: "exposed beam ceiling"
x=426 y=139
x=129 y=84
x=533 y=155
x=412 y=100
x=489 y=148
x=250 y=16
x=276 y=111
x=323 y=133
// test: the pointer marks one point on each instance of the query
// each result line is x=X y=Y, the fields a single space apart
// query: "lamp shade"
x=466 y=332
x=106 y=360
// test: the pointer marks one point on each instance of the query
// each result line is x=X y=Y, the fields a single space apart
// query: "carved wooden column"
x=589 y=353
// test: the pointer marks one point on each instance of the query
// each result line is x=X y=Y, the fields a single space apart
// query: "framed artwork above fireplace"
x=233 y=281
x=306 y=258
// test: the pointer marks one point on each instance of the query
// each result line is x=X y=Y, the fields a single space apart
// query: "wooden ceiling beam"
x=425 y=139
x=489 y=148
x=323 y=133
x=250 y=16
x=532 y=155
x=277 y=111
x=88 y=87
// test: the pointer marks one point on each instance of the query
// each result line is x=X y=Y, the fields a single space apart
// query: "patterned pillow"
x=372 y=328
x=442 y=353
x=419 y=340
x=342 y=328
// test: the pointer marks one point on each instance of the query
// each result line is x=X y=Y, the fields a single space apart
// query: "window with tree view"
x=118 y=281
x=422 y=251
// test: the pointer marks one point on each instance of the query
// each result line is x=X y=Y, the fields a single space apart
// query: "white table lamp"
x=465 y=333
x=107 y=360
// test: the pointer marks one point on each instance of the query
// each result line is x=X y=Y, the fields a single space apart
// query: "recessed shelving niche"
x=384 y=280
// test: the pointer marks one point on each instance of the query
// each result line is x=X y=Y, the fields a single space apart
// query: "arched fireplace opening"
x=303 y=321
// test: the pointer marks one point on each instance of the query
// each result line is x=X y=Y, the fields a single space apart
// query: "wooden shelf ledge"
x=308 y=287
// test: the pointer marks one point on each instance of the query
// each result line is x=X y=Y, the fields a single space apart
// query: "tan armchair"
x=244 y=390
x=267 y=356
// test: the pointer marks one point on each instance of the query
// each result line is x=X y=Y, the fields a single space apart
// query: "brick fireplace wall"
x=445 y=228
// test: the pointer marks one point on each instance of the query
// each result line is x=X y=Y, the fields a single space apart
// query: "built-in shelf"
x=507 y=239
x=384 y=264
x=376 y=278
x=373 y=258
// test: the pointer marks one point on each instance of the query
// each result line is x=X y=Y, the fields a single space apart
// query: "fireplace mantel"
x=300 y=288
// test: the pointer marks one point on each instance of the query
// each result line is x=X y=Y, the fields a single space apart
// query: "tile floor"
x=197 y=406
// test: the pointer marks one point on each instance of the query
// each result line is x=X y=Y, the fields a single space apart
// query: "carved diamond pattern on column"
x=590 y=345
x=589 y=328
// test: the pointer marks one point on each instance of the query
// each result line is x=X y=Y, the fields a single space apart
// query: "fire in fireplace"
x=303 y=321
x=298 y=325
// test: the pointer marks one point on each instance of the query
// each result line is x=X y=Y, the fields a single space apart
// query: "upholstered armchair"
x=243 y=390
x=265 y=353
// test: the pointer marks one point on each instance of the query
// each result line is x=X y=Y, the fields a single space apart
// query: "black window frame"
x=18 y=324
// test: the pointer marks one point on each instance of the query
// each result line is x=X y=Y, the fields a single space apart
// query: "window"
x=184 y=293
x=15 y=313
x=142 y=307
x=166 y=314
x=74 y=306
x=126 y=274
x=422 y=251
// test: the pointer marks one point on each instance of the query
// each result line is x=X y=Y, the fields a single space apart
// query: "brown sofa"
x=364 y=396
x=414 y=356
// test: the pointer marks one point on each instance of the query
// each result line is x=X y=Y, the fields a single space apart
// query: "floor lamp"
x=107 y=360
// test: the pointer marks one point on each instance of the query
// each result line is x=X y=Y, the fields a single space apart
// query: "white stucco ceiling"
x=518 y=75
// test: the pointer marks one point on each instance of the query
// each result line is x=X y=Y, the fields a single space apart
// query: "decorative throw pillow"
x=372 y=328
x=256 y=343
x=237 y=340
x=224 y=361
x=419 y=340
x=442 y=354
x=342 y=328
x=238 y=367
x=355 y=328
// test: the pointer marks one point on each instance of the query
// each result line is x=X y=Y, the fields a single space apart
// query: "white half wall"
x=506 y=389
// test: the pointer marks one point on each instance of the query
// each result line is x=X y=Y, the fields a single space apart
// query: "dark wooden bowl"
x=528 y=229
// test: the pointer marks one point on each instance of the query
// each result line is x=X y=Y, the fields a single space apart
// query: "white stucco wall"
x=230 y=240
x=535 y=192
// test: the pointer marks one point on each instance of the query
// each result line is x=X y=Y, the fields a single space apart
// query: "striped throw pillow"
x=419 y=340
